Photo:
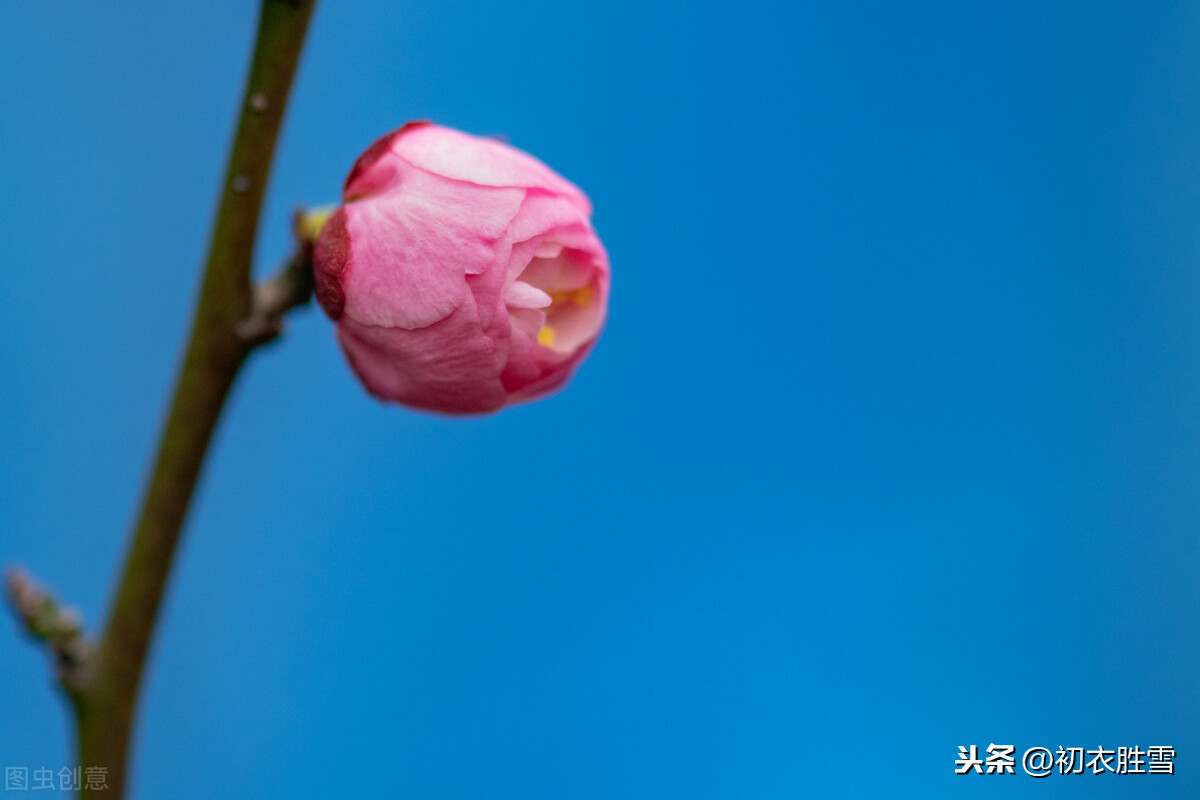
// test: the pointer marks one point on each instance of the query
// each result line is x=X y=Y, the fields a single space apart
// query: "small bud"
x=309 y=223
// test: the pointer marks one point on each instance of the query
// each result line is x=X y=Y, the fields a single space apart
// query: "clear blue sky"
x=892 y=443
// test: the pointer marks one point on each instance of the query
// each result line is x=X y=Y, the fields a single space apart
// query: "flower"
x=463 y=274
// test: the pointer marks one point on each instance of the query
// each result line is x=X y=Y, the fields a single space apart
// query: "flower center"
x=555 y=299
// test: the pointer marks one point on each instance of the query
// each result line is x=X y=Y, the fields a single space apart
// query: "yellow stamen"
x=546 y=336
x=581 y=297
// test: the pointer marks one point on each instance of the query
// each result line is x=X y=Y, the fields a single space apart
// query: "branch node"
x=289 y=288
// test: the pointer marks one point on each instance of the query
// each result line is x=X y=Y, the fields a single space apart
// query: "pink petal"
x=521 y=295
x=412 y=247
x=541 y=213
x=372 y=172
x=548 y=250
x=451 y=366
x=487 y=162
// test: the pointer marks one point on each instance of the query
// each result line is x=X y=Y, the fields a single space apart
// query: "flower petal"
x=412 y=247
x=372 y=172
x=487 y=162
x=451 y=366
x=521 y=295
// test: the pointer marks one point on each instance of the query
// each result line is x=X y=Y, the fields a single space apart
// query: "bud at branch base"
x=463 y=274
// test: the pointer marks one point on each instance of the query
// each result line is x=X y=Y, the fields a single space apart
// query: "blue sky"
x=891 y=444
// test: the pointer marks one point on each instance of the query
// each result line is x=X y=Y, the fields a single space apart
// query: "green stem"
x=215 y=353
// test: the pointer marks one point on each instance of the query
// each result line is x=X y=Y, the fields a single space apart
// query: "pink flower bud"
x=463 y=274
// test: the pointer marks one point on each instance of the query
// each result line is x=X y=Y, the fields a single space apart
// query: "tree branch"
x=217 y=349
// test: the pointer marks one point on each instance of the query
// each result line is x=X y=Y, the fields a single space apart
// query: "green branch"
x=218 y=347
